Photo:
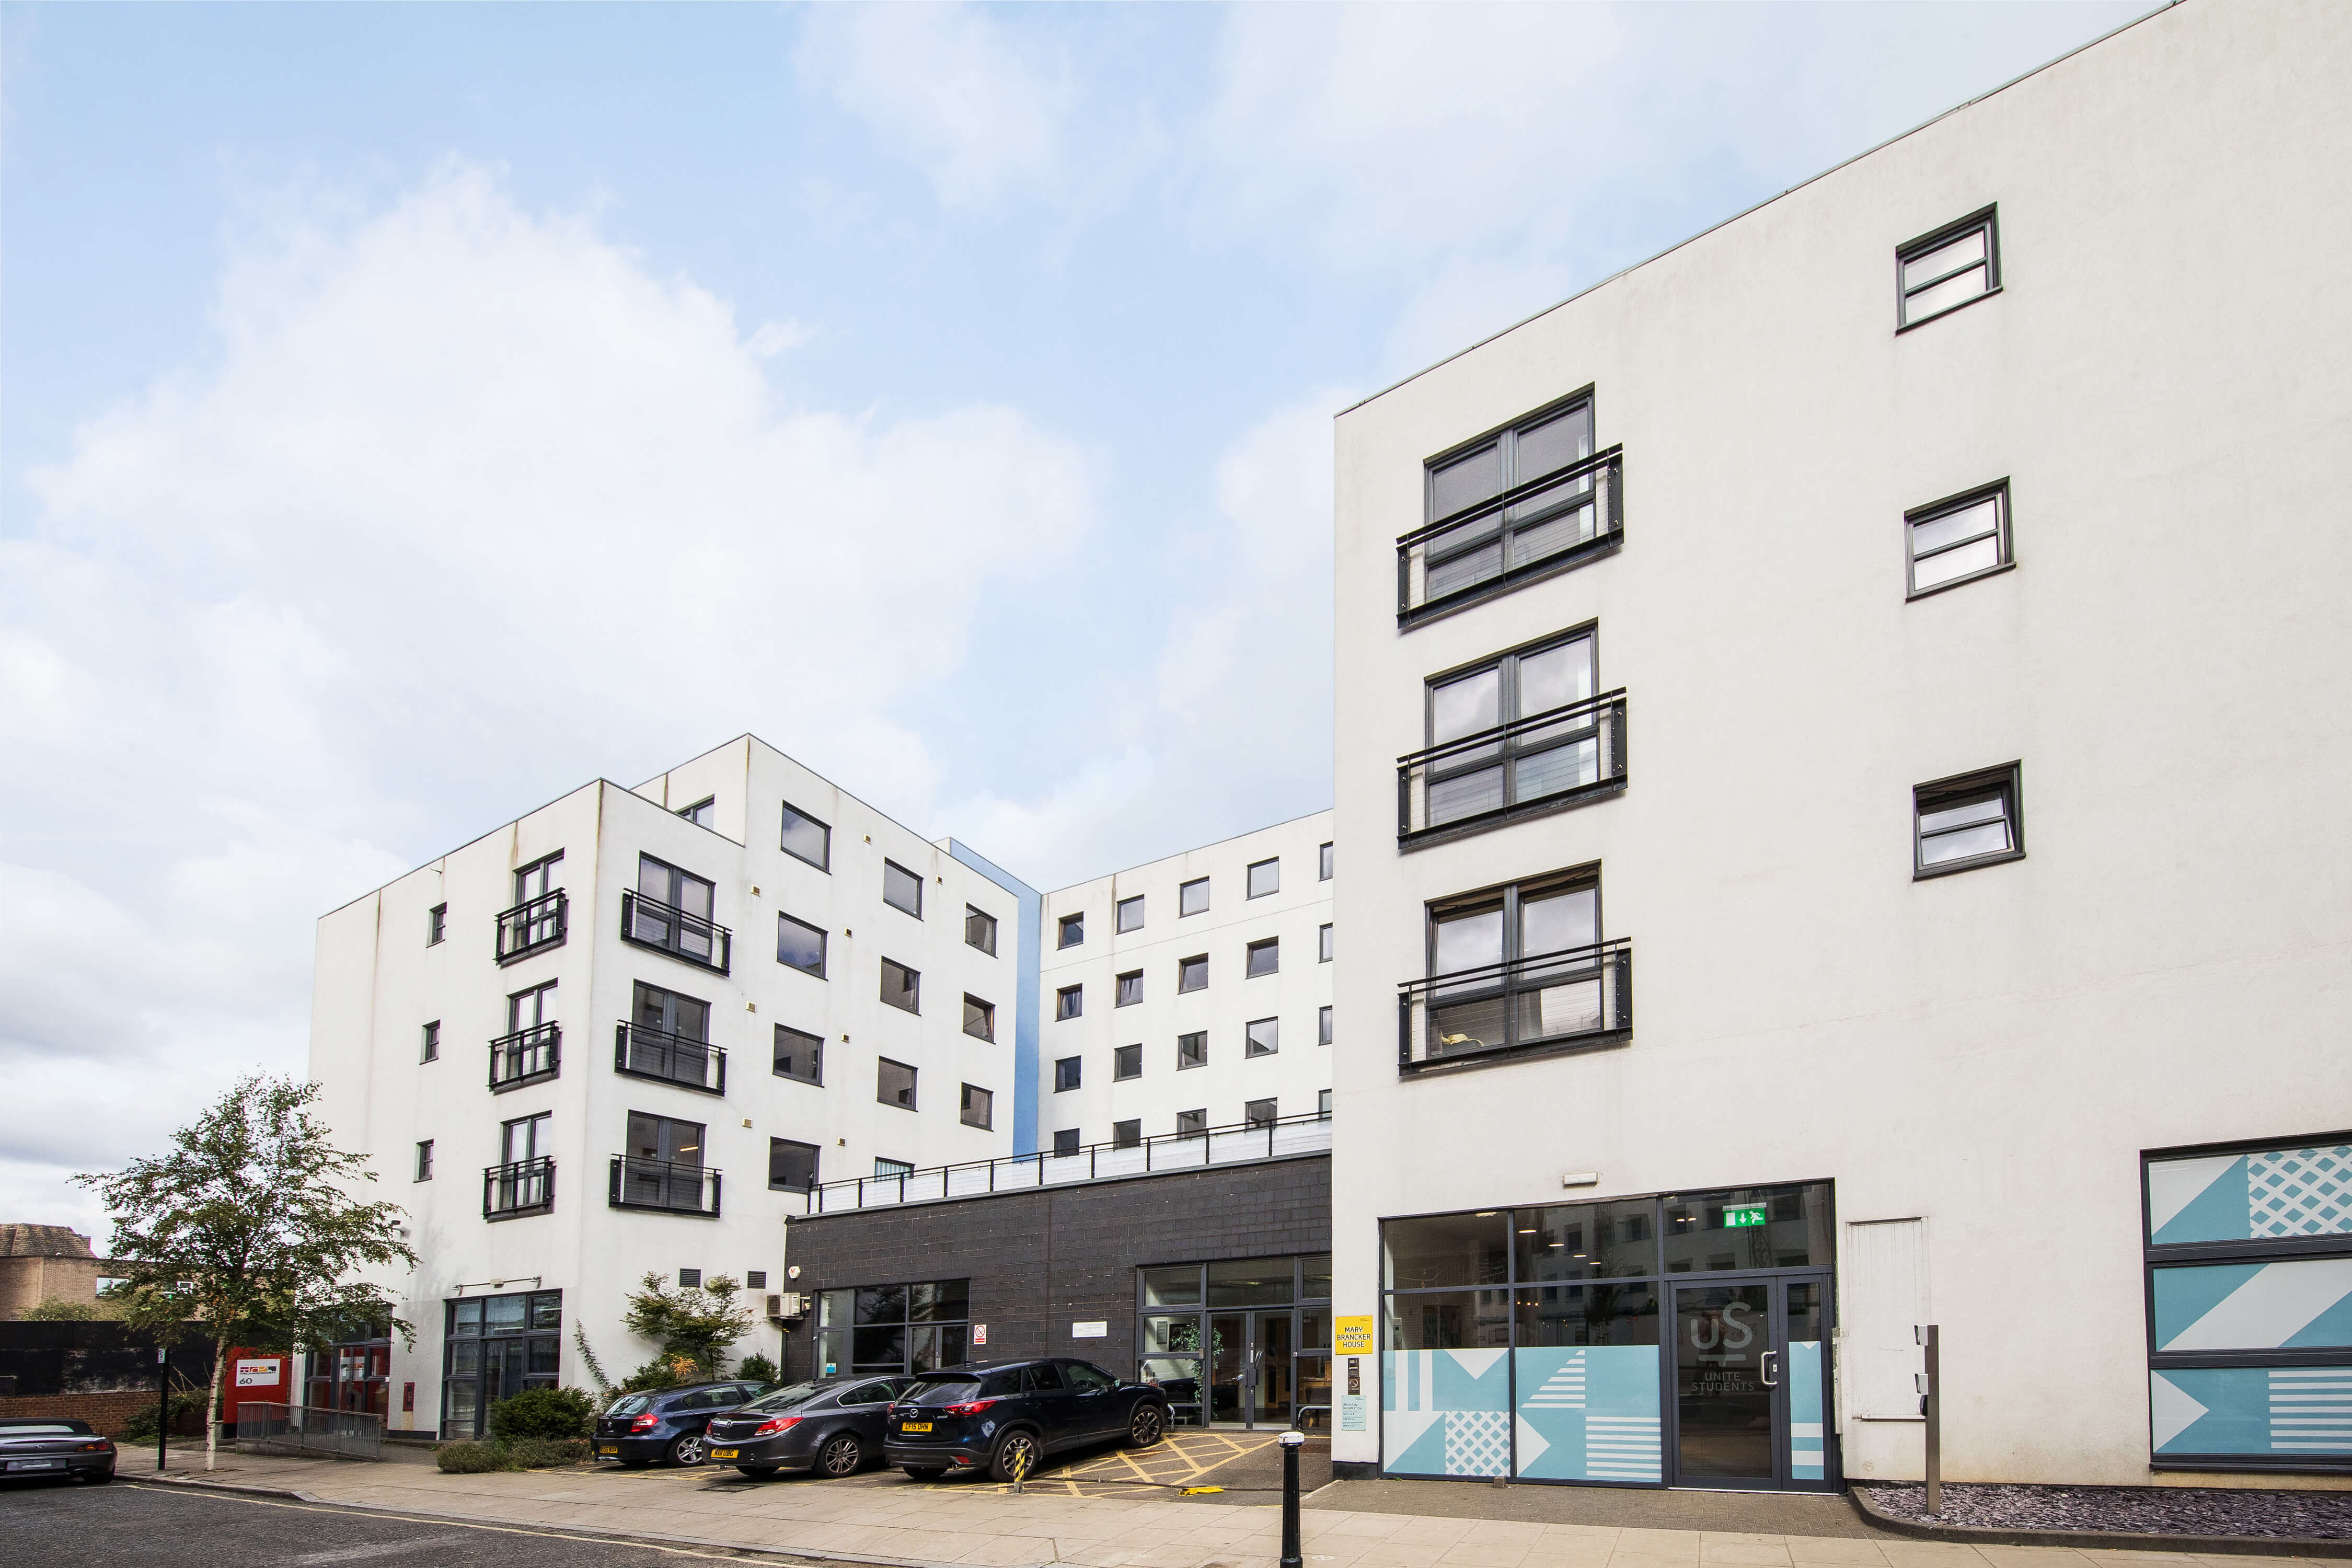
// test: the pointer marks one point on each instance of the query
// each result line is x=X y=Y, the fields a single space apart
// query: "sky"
x=408 y=414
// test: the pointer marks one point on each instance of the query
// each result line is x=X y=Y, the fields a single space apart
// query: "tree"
x=693 y=1324
x=250 y=1225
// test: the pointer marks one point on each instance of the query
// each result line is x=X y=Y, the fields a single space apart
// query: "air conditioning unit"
x=787 y=1304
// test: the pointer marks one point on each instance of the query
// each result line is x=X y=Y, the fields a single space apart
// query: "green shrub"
x=756 y=1368
x=473 y=1458
x=544 y=1412
x=546 y=1454
x=139 y=1427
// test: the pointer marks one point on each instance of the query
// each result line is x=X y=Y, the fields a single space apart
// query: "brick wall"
x=1039 y=1260
x=105 y=1412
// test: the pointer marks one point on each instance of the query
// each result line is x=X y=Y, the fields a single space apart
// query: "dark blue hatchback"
x=667 y=1424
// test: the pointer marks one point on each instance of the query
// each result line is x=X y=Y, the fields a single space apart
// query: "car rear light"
x=645 y=1423
x=774 y=1424
x=103 y=1446
x=969 y=1407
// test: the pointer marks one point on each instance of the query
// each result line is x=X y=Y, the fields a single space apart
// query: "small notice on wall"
x=1351 y=1413
x=259 y=1373
x=1093 y=1330
x=1352 y=1336
x=980 y=1333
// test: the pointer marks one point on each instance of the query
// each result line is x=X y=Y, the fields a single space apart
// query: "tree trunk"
x=212 y=1402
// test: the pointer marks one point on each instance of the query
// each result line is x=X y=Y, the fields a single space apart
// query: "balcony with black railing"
x=527 y=1055
x=1547 y=762
x=668 y=1186
x=534 y=926
x=668 y=928
x=521 y=1187
x=1530 y=530
x=1575 y=998
x=641 y=1051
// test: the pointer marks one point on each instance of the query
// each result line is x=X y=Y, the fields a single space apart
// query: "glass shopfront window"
x=496 y=1346
x=354 y=1374
x=1241 y=1341
x=903 y=1328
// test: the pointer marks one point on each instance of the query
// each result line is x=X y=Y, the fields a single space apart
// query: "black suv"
x=832 y=1427
x=1007 y=1416
x=666 y=1423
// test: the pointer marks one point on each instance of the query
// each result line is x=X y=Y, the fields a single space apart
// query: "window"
x=1264 y=957
x=1521 y=764
x=659 y=1012
x=1074 y=929
x=800 y=1055
x=1192 y=898
x=1957 y=539
x=1130 y=913
x=1484 y=541
x=537 y=880
x=689 y=1278
x=1323 y=943
x=980 y=930
x=436 y=924
x=892 y=1329
x=672 y=911
x=883 y=1167
x=528 y=1010
x=901 y=986
x=1127 y=1062
x=1323 y=1102
x=979 y=1017
x=1957 y=264
x=1968 y=821
x=1265 y=878
x=1323 y=864
x=1066 y=1074
x=493 y=1346
x=702 y=813
x=425 y=1159
x=755 y=1279
x=1258 y=1112
x=901 y=888
x=432 y=1042
x=1130 y=989
x=1127 y=1134
x=1323 y=1026
x=1192 y=1123
x=1518 y=966
x=1066 y=1142
x=665 y=1140
x=979 y=1108
x=806 y=838
x=1264 y=1037
x=1192 y=973
x=800 y=944
x=791 y=1167
x=894 y=1084
x=525 y=1138
x=1191 y=1051
x=1069 y=1001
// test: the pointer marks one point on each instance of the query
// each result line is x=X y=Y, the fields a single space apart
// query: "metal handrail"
x=1605 y=496
x=1497 y=991
x=1600 y=720
x=527 y=1055
x=533 y=925
x=666 y=928
x=264 y=1426
x=1606 y=458
x=520 y=1186
x=669 y=1186
x=641 y=1051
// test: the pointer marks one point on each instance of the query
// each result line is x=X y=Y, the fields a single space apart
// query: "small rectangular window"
x=979 y=1017
x=901 y=888
x=1130 y=989
x=1066 y=1143
x=755 y=1279
x=1192 y=898
x=436 y=924
x=537 y=880
x=801 y=945
x=1323 y=944
x=885 y=1167
x=425 y=1159
x=894 y=1084
x=979 y=1107
x=1323 y=1103
x=1191 y=1051
x=689 y=1278
x=1127 y=1062
x=980 y=930
x=1970 y=820
x=1265 y=878
x=1067 y=1074
x=1264 y=1037
x=1259 y=1112
x=901 y=986
x=1069 y=1001
x=432 y=1042
x=1073 y=929
x=791 y=1167
x=1127 y=1134
x=1957 y=539
x=806 y=838
x=800 y=1055
x=1192 y=1123
x=1955 y=265
x=1264 y=957
x=1323 y=864
x=1192 y=973
x=702 y=813
x=1323 y=1026
x=1130 y=913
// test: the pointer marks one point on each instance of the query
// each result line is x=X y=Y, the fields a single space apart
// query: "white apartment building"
x=1190 y=992
x=1841 y=738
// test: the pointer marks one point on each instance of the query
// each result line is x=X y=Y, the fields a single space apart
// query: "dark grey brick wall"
x=1039 y=1261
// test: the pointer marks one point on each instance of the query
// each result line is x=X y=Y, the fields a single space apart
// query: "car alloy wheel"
x=1143 y=1429
x=1016 y=1453
x=686 y=1450
x=842 y=1456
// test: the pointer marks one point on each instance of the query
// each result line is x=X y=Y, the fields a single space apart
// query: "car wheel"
x=1145 y=1427
x=1017 y=1452
x=758 y=1472
x=99 y=1478
x=924 y=1472
x=686 y=1450
x=842 y=1455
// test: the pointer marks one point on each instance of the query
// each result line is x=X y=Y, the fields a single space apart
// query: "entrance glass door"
x=1747 y=1383
x=1252 y=1371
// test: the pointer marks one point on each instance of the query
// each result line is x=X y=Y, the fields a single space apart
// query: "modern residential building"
x=1840 y=732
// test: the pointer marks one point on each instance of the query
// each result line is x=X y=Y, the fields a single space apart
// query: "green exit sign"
x=1737 y=1215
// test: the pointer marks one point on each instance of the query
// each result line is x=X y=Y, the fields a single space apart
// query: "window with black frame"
x=906 y=1329
x=1509 y=507
x=1246 y=1339
x=1521 y=728
x=495 y=1347
x=1967 y=821
x=1516 y=967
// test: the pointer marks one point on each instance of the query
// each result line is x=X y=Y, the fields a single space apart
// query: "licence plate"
x=36 y=1464
x=726 y=1453
x=608 y=1448
x=914 y=1426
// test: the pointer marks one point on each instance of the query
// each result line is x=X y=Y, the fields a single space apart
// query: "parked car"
x=54 y=1445
x=666 y=1423
x=833 y=1426
x=1005 y=1416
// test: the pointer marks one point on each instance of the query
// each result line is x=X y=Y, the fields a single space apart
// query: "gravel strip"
x=2138 y=1510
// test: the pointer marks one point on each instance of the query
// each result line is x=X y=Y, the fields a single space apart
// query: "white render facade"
x=1934 y=938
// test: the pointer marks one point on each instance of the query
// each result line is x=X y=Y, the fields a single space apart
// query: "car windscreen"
x=785 y=1398
x=45 y=1430
x=629 y=1404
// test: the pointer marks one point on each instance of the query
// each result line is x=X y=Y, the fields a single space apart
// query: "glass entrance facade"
x=911 y=1327
x=1636 y=1342
x=496 y=1346
x=1240 y=1341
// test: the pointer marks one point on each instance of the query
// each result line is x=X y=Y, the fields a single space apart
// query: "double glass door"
x=1255 y=1369
x=1749 y=1379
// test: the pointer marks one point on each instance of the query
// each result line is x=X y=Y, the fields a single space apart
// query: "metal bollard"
x=1290 y=1442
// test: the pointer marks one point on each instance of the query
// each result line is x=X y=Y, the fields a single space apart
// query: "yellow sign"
x=1352 y=1336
